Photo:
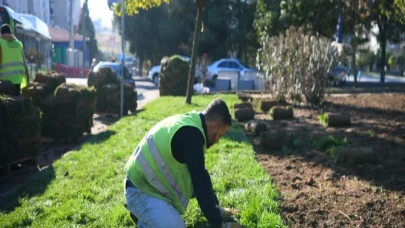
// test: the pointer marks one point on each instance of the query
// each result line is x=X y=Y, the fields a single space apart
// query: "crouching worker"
x=167 y=169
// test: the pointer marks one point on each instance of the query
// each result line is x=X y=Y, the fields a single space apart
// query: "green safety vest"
x=12 y=65
x=152 y=167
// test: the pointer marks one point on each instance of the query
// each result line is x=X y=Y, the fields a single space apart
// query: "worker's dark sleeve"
x=187 y=147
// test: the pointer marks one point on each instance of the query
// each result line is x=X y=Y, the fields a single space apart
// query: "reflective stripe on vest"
x=153 y=179
x=11 y=64
x=11 y=73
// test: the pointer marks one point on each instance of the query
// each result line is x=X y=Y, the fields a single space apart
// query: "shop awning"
x=38 y=25
x=12 y=14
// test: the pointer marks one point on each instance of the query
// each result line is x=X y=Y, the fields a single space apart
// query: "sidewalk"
x=147 y=97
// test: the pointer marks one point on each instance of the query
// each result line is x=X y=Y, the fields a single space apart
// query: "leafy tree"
x=142 y=32
x=316 y=16
x=275 y=16
x=86 y=28
x=392 y=60
x=267 y=19
x=134 y=6
x=357 y=24
x=146 y=24
x=367 y=59
x=389 y=15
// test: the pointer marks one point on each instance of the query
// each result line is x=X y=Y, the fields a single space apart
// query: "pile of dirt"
x=67 y=110
x=20 y=130
x=108 y=87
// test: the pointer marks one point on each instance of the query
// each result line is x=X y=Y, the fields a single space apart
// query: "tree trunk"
x=354 y=44
x=140 y=64
x=244 y=48
x=383 y=41
x=198 y=25
x=354 y=67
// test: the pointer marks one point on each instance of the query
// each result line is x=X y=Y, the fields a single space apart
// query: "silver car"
x=228 y=65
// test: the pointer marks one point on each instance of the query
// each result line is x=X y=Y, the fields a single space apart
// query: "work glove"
x=232 y=225
x=228 y=212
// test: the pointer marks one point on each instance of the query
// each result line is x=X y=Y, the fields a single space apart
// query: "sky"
x=99 y=9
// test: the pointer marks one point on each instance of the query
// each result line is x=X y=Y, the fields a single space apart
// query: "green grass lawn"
x=85 y=187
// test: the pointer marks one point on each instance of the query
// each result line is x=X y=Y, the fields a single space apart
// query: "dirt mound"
x=274 y=139
x=334 y=177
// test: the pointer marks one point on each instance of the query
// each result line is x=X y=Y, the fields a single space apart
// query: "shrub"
x=173 y=76
x=296 y=64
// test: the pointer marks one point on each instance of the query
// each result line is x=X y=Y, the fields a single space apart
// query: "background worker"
x=167 y=169
x=13 y=66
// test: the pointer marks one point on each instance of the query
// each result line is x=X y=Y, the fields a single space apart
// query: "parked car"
x=338 y=76
x=154 y=72
x=228 y=65
x=117 y=68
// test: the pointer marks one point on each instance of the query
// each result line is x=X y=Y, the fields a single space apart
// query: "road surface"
x=371 y=78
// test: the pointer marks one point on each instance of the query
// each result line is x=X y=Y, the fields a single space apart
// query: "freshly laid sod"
x=85 y=187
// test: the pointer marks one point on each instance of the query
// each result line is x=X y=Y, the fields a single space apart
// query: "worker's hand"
x=228 y=212
x=232 y=225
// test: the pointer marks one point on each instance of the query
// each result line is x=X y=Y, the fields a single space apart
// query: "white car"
x=154 y=72
x=228 y=65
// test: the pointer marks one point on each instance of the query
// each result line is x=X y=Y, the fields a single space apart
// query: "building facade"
x=39 y=8
x=53 y=12
x=60 y=12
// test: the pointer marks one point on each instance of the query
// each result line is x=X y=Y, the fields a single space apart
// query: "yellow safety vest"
x=152 y=167
x=12 y=65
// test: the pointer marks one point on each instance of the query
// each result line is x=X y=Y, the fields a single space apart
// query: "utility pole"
x=71 y=33
x=123 y=56
x=84 y=10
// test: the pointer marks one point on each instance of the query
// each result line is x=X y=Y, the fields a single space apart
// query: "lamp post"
x=83 y=21
x=123 y=58
x=110 y=3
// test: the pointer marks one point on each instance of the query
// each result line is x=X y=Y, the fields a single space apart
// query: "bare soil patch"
x=318 y=190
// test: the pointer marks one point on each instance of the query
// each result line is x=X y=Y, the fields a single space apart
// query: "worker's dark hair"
x=218 y=111
x=5 y=29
